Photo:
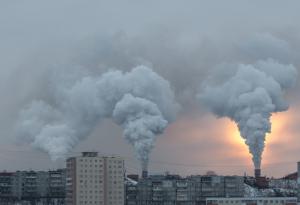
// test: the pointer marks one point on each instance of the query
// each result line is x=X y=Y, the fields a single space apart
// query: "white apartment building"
x=253 y=201
x=95 y=180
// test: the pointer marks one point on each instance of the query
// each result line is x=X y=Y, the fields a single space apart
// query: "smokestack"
x=144 y=174
x=257 y=173
x=249 y=95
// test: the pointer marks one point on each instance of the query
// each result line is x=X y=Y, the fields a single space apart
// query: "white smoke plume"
x=140 y=101
x=249 y=96
x=142 y=121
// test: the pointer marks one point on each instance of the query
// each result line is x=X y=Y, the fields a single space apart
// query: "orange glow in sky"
x=235 y=140
x=279 y=135
x=216 y=144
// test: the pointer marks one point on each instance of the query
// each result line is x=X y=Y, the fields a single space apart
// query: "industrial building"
x=93 y=179
x=32 y=187
x=175 y=190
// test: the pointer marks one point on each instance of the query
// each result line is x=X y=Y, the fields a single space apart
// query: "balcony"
x=157 y=198
x=157 y=189
x=181 y=184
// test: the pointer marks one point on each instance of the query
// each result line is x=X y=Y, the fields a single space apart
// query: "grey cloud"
x=181 y=41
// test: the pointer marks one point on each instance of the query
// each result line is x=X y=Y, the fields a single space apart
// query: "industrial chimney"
x=257 y=173
x=144 y=174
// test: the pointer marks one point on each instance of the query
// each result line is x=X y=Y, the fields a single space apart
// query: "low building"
x=56 y=183
x=7 y=188
x=174 y=190
x=134 y=177
x=253 y=201
x=298 y=180
x=33 y=187
x=131 y=194
x=217 y=186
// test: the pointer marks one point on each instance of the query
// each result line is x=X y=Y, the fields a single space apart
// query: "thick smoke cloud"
x=142 y=122
x=249 y=97
x=264 y=46
x=38 y=35
x=140 y=101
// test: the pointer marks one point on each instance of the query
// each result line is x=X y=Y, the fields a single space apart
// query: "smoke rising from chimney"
x=142 y=122
x=140 y=101
x=248 y=96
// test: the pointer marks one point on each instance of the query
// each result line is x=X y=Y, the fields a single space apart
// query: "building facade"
x=218 y=186
x=253 y=201
x=298 y=180
x=174 y=190
x=32 y=187
x=93 y=179
x=7 y=188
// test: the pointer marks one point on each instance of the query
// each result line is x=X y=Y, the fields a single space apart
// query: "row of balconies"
x=182 y=184
x=190 y=193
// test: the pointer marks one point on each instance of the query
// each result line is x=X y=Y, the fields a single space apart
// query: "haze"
x=181 y=41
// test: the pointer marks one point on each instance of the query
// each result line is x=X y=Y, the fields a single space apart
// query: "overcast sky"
x=183 y=41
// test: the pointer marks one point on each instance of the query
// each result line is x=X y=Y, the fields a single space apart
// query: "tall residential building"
x=93 y=179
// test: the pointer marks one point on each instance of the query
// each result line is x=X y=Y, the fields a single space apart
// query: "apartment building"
x=175 y=190
x=7 y=189
x=93 y=179
x=56 y=184
x=253 y=201
x=32 y=187
x=298 y=180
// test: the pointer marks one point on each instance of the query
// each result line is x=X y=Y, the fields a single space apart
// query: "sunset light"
x=149 y=102
x=279 y=135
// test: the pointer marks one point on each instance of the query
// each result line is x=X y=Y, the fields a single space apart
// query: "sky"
x=182 y=41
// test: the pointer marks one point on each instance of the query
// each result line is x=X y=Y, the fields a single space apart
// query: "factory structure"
x=91 y=179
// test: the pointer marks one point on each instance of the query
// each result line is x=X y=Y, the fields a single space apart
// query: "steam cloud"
x=249 y=97
x=140 y=101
